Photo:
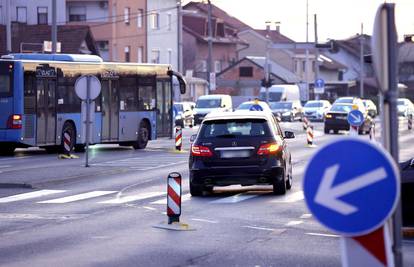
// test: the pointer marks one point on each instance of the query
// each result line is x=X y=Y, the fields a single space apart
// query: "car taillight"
x=14 y=121
x=201 y=151
x=269 y=149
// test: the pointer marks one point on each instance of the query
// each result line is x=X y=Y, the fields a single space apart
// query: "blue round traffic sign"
x=355 y=118
x=351 y=186
x=319 y=83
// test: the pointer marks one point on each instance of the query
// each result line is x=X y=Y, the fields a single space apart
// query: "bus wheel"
x=143 y=136
x=70 y=130
x=7 y=150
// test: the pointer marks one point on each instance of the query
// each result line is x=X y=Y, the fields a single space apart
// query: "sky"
x=337 y=19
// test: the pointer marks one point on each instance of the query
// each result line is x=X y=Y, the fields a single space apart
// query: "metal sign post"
x=384 y=57
x=87 y=88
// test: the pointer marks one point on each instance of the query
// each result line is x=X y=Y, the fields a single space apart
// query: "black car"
x=243 y=147
x=336 y=119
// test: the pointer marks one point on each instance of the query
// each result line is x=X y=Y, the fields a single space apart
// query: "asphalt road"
x=56 y=212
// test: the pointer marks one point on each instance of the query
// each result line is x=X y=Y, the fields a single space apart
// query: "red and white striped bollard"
x=174 y=197
x=66 y=144
x=178 y=138
x=305 y=123
x=309 y=135
x=410 y=122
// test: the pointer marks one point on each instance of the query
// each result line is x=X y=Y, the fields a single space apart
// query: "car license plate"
x=341 y=117
x=235 y=154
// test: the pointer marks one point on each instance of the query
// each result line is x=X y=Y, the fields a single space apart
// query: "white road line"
x=163 y=201
x=290 y=198
x=30 y=195
x=233 y=199
x=5 y=166
x=319 y=234
x=306 y=216
x=259 y=228
x=293 y=223
x=203 y=220
x=121 y=200
x=77 y=197
x=16 y=158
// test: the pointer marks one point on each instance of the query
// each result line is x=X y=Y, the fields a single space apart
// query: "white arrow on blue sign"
x=319 y=83
x=351 y=186
x=355 y=118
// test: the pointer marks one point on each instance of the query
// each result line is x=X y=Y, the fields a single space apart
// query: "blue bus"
x=38 y=103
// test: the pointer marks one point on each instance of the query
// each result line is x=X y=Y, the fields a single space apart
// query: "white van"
x=207 y=103
x=281 y=92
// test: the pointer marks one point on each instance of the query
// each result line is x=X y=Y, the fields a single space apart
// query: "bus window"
x=67 y=100
x=29 y=93
x=6 y=79
x=128 y=86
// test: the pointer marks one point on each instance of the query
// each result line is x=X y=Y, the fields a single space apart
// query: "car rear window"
x=345 y=100
x=313 y=105
x=208 y=103
x=235 y=128
x=342 y=108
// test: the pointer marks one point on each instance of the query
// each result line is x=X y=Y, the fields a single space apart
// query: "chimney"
x=277 y=23
x=268 y=26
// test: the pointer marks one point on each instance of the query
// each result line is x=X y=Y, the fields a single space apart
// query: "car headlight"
x=287 y=113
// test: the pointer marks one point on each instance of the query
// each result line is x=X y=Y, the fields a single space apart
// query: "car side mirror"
x=192 y=107
x=289 y=135
x=223 y=106
x=193 y=138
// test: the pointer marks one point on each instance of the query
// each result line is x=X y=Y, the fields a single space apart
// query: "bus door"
x=46 y=106
x=110 y=110
x=164 y=126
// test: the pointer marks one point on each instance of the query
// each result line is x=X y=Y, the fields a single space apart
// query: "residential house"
x=195 y=39
x=74 y=39
x=244 y=77
x=119 y=26
x=162 y=32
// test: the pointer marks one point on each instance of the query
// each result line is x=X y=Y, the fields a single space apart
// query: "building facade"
x=118 y=26
x=162 y=32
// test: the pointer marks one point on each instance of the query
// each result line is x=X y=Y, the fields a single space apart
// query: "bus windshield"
x=208 y=103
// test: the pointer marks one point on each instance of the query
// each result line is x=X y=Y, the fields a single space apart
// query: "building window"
x=169 y=21
x=127 y=11
x=21 y=14
x=246 y=71
x=127 y=53
x=155 y=56
x=140 y=54
x=42 y=15
x=169 y=56
x=304 y=66
x=202 y=66
x=139 y=17
x=155 y=21
x=1 y=15
x=217 y=66
x=77 y=13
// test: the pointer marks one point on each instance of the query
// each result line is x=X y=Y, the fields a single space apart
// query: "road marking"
x=290 y=198
x=259 y=228
x=13 y=158
x=306 y=216
x=204 y=220
x=77 y=197
x=163 y=201
x=30 y=195
x=293 y=223
x=121 y=200
x=5 y=166
x=320 y=234
x=149 y=208
x=233 y=199
x=26 y=216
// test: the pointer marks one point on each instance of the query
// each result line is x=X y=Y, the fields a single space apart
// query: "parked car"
x=349 y=100
x=407 y=192
x=370 y=107
x=316 y=109
x=405 y=107
x=336 y=118
x=184 y=114
x=249 y=104
x=207 y=103
x=287 y=110
x=244 y=147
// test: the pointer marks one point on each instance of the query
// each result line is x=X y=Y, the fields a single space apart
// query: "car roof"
x=343 y=104
x=212 y=96
x=240 y=114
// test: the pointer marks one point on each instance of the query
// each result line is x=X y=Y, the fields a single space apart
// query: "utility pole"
x=307 y=51
x=54 y=27
x=210 y=46
x=361 y=62
x=8 y=28
x=316 y=53
x=179 y=37
x=266 y=64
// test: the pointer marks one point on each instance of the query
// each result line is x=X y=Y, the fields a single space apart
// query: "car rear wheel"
x=326 y=130
x=279 y=185
x=196 y=191
x=336 y=131
x=289 y=181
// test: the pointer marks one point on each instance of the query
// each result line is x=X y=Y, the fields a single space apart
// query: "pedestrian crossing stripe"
x=30 y=195
x=121 y=199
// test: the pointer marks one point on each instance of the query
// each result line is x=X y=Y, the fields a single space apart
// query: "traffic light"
x=267 y=84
